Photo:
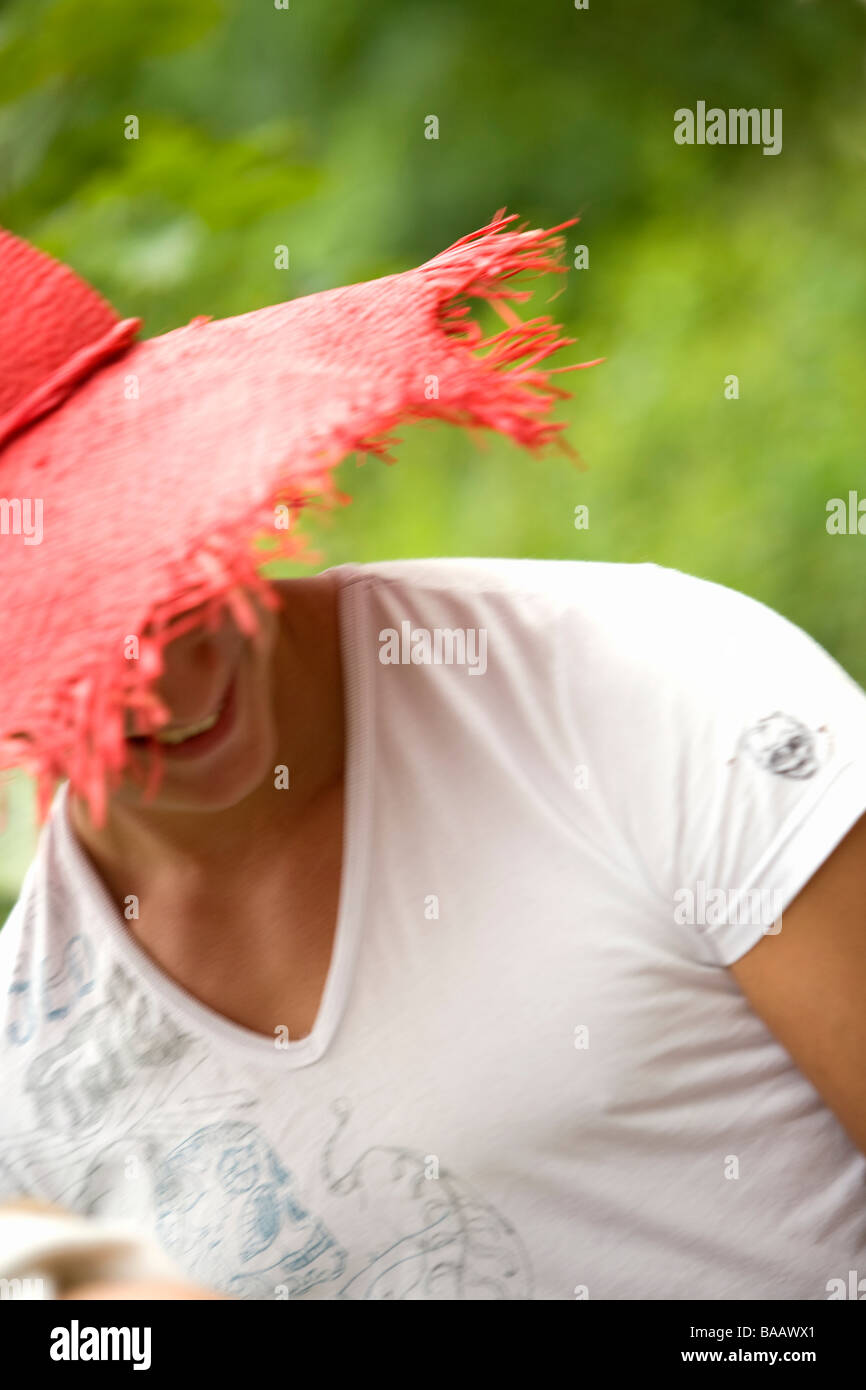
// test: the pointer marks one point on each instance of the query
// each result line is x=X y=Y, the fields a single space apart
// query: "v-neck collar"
x=354 y=876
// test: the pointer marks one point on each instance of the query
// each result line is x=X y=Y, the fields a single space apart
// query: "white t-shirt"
x=531 y=1076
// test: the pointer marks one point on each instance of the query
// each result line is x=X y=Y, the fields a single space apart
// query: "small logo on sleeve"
x=781 y=744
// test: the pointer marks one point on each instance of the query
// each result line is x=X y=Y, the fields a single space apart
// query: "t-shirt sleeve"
x=725 y=751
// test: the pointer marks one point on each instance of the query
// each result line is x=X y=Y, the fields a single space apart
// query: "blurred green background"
x=305 y=127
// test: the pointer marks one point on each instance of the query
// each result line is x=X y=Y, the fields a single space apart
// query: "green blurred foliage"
x=261 y=126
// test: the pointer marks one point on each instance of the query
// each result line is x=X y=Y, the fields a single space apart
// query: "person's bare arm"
x=145 y=1289
x=808 y=983
x=45 y=1243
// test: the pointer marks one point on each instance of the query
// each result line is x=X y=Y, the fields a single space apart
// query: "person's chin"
x=222 y=782
x=232 y=778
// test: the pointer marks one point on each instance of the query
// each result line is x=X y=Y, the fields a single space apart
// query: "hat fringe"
x=81 y=735
x=497 y=383
x=503 y=390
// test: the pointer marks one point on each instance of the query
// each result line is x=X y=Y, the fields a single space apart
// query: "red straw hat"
x=136 y=476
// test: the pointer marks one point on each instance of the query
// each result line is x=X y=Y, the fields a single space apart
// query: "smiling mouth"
x=197 y=735
x=180 y=733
